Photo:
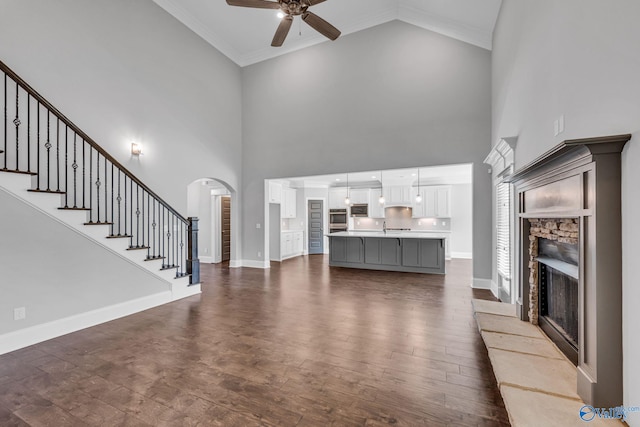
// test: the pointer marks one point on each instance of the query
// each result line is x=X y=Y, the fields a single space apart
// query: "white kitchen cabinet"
x=288 y=206
x=436 y=202
x=291 y=244
x=336 y=198
x=275 y=192
x=359 y=196
x=443 y=204
x=397 y=195
x=376 y=210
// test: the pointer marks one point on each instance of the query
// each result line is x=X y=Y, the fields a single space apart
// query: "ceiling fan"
x=291 y=8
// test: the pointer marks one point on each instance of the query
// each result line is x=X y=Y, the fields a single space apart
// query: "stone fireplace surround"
x=577 y=183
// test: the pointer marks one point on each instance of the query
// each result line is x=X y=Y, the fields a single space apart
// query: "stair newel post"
x=193 y=263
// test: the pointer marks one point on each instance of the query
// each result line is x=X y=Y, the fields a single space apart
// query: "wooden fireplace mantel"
x=580 y=179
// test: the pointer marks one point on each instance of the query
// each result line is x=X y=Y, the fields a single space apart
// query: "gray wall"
x=389 y=97
x=578 y=58
x=124 y=70
x=63 y=275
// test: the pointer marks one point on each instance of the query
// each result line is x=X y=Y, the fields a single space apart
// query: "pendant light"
x=347 y=201
x=418 y=196
x=381 y=199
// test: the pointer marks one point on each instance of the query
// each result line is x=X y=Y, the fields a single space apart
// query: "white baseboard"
x=462 y=255
x=46 y=331
x=494 y=289
x=481 y=283
x=249 y=263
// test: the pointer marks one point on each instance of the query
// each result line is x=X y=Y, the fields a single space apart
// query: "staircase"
x=49 y=163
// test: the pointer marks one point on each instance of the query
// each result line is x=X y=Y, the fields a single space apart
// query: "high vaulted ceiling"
x=244 y=34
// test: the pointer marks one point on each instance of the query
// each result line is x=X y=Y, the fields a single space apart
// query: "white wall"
x=461 y=220
x=388 y=97
x=64 y=275
x=578 y=58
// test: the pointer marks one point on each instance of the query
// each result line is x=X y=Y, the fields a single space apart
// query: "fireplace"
x=568 y=266
x=558 y=274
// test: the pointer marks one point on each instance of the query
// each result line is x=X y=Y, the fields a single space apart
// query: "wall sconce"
x=136 y=149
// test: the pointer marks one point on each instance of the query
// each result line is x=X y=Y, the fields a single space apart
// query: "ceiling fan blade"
x=320 y=25
x=282 y=31
x=260 y=4
x=314 y=2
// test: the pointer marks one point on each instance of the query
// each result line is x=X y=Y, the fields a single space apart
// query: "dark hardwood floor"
x=301 y=344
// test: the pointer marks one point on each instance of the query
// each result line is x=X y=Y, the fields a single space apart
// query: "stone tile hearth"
x=537 y=382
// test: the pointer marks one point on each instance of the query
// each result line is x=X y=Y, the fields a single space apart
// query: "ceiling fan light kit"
x=289 y=9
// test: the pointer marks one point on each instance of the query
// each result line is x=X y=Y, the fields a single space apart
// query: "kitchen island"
x=412 y=252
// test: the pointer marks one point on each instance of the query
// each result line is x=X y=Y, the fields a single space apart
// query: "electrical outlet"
x=206 y=250
x=19 y=313
x=258 y=225
x=259 y=254
x=377 y=222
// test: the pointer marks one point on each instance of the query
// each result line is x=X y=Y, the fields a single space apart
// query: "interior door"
x=225 y=215
x=315 y=231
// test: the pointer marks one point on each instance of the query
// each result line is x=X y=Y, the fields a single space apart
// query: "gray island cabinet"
x=392 y=251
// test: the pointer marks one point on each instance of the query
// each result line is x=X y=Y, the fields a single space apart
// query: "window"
x=503 y=229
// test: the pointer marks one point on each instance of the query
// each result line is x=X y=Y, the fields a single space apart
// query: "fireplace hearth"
x=568 y=266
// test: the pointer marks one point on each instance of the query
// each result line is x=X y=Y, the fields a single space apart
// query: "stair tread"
x=15 y=171
x=47 y=191
x=157 y=258
x=74 y=209
x=168 y=267
x=135 y=248
x=121 y=236
x=98 y=223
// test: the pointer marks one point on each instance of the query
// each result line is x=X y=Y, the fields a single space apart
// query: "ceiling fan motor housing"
x=294 y=7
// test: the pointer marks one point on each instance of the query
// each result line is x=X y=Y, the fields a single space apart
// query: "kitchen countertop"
x=388 y=234
x=404 y=231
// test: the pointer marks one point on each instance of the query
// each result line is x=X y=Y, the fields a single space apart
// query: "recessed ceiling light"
x=337 y=179
x=413 y=174
x=373 y=177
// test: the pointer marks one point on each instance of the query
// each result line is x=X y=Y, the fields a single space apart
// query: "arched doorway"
x=214 y=203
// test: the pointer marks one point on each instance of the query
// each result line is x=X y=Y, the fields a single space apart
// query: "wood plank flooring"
x=301 y=344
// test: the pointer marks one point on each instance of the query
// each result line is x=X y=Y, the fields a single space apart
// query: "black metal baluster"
x=17 y=123
x=148 y=226
x=119 y=199
x=5 y=122
x=169 y=238
x=83 y=176
x=181 y=249
x=75 y=171
x=48 y=147
x=90 y=185
x=113 y=223
x=131 y=209
x=98 y=183
x=125 y=205
x=28 y=132
x=137 y=216
x=58 y=155
x=106 y=186
x=153 y=226
x=38 y=149
x=66 y=166
x=161 y=236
